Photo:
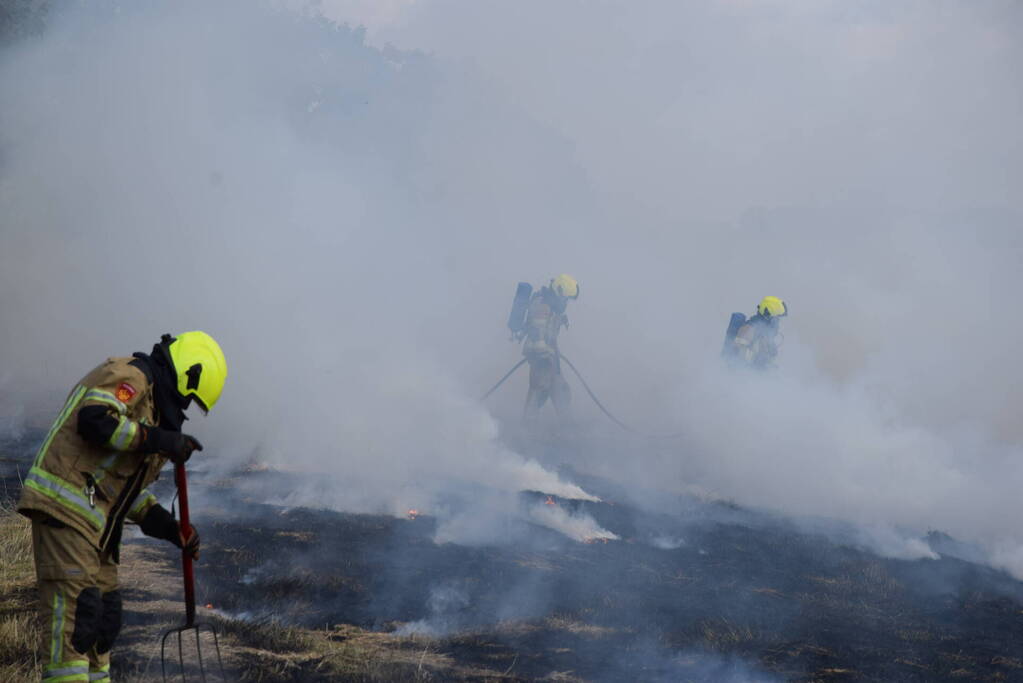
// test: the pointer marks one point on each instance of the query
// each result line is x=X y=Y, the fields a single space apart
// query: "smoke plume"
x=348 y=210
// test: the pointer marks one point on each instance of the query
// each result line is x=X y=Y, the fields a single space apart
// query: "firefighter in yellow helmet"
x=754 y=342
x=544 y=319
x=119 y=425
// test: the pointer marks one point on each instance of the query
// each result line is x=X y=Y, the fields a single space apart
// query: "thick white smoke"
x=350 y=219
x=244 y=171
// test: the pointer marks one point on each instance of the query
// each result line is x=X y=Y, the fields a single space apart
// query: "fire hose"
x=593 y=396
x=501 y=381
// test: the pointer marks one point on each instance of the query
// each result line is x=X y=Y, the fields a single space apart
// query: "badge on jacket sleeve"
x=125 y=392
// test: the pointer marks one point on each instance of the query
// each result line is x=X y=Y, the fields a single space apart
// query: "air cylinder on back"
x=728 y=349
x=517 y=317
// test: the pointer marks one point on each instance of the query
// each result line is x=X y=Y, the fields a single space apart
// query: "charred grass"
x=786 y=603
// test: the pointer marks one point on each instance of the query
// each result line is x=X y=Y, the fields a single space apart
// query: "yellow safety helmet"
x=200 y=366
x=566 y=286
x=772 y=307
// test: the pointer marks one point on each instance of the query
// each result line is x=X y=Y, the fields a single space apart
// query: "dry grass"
x=565 y=623
x=19 y=628
x=271 y=652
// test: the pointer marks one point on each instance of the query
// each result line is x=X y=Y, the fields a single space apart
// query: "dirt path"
x=153 y=603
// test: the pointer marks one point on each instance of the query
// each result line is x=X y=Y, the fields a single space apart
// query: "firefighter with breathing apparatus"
x=754 y=342
x=118 y=428
x=536 y=319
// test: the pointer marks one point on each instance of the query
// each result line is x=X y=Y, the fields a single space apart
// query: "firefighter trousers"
x=546 y=381
x=81 y=606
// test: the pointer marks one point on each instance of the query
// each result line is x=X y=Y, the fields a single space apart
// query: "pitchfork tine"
x=190 y=623
x=198 y=651
x=181 y=658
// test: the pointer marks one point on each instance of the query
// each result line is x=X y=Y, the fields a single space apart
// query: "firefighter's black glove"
x=190 y=544
x=185 y=445
x=177 y=446
x=159 y=523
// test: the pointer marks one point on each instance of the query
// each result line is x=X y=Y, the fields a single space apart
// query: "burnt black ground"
x=743 y=596
x=798 y=605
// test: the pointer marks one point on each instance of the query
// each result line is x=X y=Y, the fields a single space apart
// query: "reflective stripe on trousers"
x=102 y=674
x=57 y=629
x=67 y=672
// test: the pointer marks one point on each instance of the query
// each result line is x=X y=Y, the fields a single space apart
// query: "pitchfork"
x=190 y=625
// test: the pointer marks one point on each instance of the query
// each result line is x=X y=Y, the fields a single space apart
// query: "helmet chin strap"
x=169 y=402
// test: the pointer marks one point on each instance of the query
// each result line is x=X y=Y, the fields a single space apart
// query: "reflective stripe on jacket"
x=757 y=343
x=93 y=487
x=543 y=324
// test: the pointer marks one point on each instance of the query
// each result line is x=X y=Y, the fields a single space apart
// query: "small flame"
x=549 y=501
x=412 y=513
x=209 y=605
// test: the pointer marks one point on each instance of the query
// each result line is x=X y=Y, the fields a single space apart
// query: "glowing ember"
x=549 y=501
x=412 y=513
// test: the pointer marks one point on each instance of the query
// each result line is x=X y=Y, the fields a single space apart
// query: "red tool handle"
x=186 y=559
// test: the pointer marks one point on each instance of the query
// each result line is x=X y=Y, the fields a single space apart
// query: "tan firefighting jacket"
x=758 y=344
x=542 y=327
x=89 y=487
